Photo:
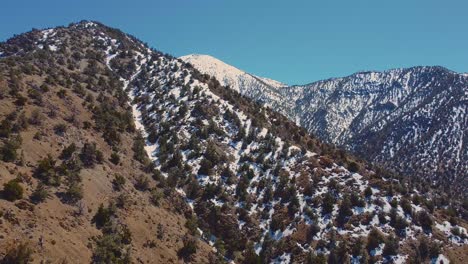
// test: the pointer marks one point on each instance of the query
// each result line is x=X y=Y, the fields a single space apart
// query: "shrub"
x=425 y=220
x=86 y=125
x=206 y=167
x=62 y=93
x=36 y=117
x=406 y=206
x=423 y=248
x=398 y=222
x=74 y=192
x=189 y=248
x=391 y=246
x=155 y=197
x=110 y=248
x=12 y=190
x=40 y=194
x=139 y=149
x=8 y=151
x=142 y=183
x=19 y=254
x=339 y=254
x=68 y=151
x=60 y=129
x=344 y=211
x=374 y=239
x=368 y=192
x=456 y=231
x=111 y=135
x=356 y=200
x=122 y=200
x=21 y=100
x=313 y=230
x=328 y=203
x=21 y=123
x=312 y=258
x=214 y=153
x=103 y=215
x=115 y=158
x=434 y=249
x=250 y=257
x=353 y=167
x=118 y=182
x=192 y=225
x=5 y=128
x=46 y=171
x=90 y=155
x=161 y=232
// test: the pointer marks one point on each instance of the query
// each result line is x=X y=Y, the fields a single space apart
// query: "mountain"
x=211 y=175
x=228 y=75
x=410 y=120
x=75 y=186
x=262 y=89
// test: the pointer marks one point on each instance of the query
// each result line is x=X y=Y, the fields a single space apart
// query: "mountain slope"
x=68 y=141
x=410 y=120
x=254 y=185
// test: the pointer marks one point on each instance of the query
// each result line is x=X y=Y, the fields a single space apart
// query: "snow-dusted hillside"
x=260 y=189
x=411 y=120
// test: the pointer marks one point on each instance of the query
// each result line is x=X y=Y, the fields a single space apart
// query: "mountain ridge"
x=317 y=106
x=245 y=180
x=212 y=65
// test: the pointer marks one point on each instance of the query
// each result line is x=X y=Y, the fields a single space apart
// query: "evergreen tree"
x=391 y=246
x=328 y=203
x=344 y=211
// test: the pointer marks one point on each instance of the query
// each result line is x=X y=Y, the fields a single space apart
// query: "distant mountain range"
x=412 y=120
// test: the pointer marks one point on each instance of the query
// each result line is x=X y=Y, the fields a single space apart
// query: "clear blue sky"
x=291 y=41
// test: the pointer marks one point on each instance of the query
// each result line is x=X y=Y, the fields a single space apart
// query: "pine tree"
x=391 y=246
x=344 y=211
x=328 y=203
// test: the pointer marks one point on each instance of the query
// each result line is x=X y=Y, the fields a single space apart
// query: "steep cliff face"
x=236 y=175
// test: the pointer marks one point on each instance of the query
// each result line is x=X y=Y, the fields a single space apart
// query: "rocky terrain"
x=164 y=147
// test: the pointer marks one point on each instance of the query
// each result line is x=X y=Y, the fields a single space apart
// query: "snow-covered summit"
x=228 y=75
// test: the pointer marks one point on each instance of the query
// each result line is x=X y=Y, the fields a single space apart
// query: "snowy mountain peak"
x=228 y=75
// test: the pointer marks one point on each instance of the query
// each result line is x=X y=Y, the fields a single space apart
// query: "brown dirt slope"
x=48 y=103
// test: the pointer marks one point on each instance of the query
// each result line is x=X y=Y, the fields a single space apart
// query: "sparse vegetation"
x=12 y=190
x=189 y=248
x=103 y=215
x=251 y=176
x=8 y=152
x=46 y=171
x=118 y=182
x=18 y=254
x=40 y=194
